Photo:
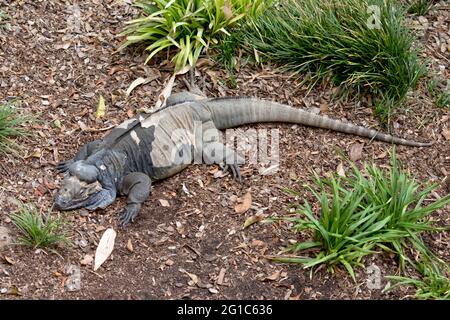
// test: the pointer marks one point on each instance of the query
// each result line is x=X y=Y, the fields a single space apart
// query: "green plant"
x=226 y=51
x=189 y=26
x=38 y=231
x=3 y=17
x=10 y=127
x=364 y=212
x=420 y=7
x=434 y=284
x=441 y=97
x=347 y=42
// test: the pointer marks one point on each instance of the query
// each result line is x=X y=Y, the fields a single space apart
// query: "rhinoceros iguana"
x=154 y=147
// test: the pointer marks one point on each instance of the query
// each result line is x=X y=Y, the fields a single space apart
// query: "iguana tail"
x=233 y=112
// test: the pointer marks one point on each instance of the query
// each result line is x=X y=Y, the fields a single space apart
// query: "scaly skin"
x=145 y=149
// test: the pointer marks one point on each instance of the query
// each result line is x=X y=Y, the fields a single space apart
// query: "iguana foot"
x=129 y=213
x=63 y=166
x=234 y=169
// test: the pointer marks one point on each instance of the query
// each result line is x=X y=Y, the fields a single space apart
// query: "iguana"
x=153 y=147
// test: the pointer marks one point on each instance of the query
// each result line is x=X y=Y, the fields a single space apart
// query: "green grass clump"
x=10 y=127
x=37 y=231
x=369 y=210
x=420 y=7
x=3 y=18
x=434 y=283
x=361 y=45
x=187 y=26
x=440 y=96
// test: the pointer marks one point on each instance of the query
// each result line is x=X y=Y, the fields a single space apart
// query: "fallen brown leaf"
x=340 y=170
x=274 y=276
x=164 y=203
x=446 y=134
x=245 y=204
x=130 y=245
x=105 y=247
x=87 y=260
x=9 y=260
x=356 y=151
x=252 y=220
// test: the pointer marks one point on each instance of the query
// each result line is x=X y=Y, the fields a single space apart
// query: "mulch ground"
x=196 y=247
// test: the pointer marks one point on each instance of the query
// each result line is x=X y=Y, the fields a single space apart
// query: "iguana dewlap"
x=145 y=149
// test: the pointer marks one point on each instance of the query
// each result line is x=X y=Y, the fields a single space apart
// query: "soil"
x=193 y=245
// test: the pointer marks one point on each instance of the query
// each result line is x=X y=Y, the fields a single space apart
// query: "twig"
x=99 y=130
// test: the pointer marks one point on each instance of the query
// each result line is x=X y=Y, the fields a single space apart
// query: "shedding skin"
x=153 y=147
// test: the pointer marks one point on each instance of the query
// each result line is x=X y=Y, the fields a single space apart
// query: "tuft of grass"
x=10 y=127
x=368 y=210
x=434 y=282
x=441 y=96
x=420 y=7
x=187 y=26
x=3 y=18
x=226 y=51
x=363 y=46
x=39 y=231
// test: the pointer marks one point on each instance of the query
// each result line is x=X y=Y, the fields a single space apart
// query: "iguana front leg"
x=84 y=152
x=136 y=186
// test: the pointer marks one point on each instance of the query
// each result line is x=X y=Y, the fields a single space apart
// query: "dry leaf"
x=274 y=276
x=130 y=245
x=356 y=151
x=381 y=155
x=134 y=84
x=87 y=260
x=37 y=153
x=164 y=203
x=221 y=276
x=253 y=219
x=340 y=170
x=257 y=243
x=169 y=262
x=245 y=205
x=105 y=247
x=101 y=108
x=161 y=101
x=57 y=123
x=213 y=290
x=9 y=260
x=82 y=125
x=446 y=134
x=227 y=12
x=324 y=107
x=193 y=277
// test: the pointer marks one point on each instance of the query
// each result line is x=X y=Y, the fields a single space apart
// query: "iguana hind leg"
x=84 y=152
x=182 y=97
x=214 y=151
x=136 y=186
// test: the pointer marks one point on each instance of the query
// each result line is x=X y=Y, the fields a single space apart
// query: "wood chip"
x=221 y=276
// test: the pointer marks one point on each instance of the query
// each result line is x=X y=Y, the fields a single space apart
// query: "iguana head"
x=80 y=188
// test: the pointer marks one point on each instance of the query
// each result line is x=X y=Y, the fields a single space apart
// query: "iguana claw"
x=63 y=166
x=234 y=169
x=128 y=214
